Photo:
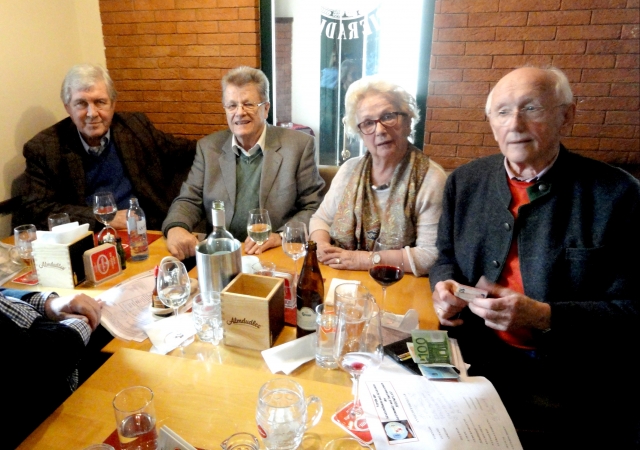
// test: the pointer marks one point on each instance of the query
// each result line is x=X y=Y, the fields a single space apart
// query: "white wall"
x=39 y=41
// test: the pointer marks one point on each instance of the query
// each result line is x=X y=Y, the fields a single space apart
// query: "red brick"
x=619 y=144
x=511 y=62
x=590 y=89
x=623 y=117
x=439 y=150
x=121 y=52
x=118 y=29
x=474 y=101
x=555 y=47
x=468 y=6
x=457 y=114
x=116 y=5
x=581 y=143
x=509 y=19
x=589 y=117
x=610 y=75
x=450 y=20
x=248 y=14
x=588 y=31
x=146 y=107
x=238 y=26
x=217 y=14
x=630 y=32
x=238 y=50
x=110 y=41
x=625 y=90
x=137 y=40
x=220 y=38
x=443 y=101
x=593 y=4
x=199 y=74
x=614 y=47
x=145 y=5
x=445 y=75
x=123 y=74
x=128 y=17
x=171 y=62
x=488 y=140
x=200 y=50
x=447 y=48
x=625 y=16
x=609 y=103
x=249 y=39
x=236 y=3
x=584 y=61
x=495 y=48
x=463 y=62
x=176 y=15
x=195 y=4
x=163 y=96
x=138 y=85
x=529 y=5
x=156 y=28
x=159 y=74
x=525 y=33
x=484 y=74
x=627 y=62
x=134 y=63
x=476 y=151
x=129 y=96
x=198 y=27
x=180 y=107
x=158 y=50
x=204 y=96
x=475 y=127
x=466 y=34
x=201 y=118
x=177 y=39
x=229 y=62
x=435 y=126
x=461 y=88
x=604 y=131
x=559 y=18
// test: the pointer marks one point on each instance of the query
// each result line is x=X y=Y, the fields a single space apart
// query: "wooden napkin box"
x=61 y=265
x=252 y=311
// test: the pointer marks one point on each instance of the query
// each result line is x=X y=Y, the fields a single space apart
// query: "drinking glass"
x=105 y=209
x=264 y=268
x=57 y=219
x=174 y=287
x=387 y=265
x=358 y=344
x=24 y=235
x=259 y=225
x=136 y=418
x=294 y=238
x=283 y=415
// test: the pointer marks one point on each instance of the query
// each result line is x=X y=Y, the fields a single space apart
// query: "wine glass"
x=105 y=209
x=387 y=265
x=358 y=345
x=174 y=287
x=259 y=225
x=294 y=238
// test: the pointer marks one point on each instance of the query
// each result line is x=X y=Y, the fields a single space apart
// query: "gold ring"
x=337 y=260
x=440 y=311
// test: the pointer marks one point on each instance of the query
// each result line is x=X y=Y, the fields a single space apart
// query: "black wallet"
x=399 y=353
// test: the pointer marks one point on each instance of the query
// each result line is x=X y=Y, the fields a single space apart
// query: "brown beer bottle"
x=310 y=292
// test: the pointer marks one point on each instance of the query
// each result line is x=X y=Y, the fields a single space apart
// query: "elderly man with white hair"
x=554 y=238
x=97 y=149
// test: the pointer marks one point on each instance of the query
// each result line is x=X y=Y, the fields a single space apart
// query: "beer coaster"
x=24 y=279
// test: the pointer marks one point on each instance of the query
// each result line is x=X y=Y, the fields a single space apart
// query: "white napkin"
x=332 y=288
x=247 y=263
x=158 y=331
x=399 y=322
x=63 y=234
x=287 y=357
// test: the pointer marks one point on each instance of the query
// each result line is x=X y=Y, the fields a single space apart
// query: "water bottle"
x=220 y=241
x=137 y=228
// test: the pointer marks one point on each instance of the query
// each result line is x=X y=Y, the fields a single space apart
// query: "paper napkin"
x=159 y=330
x=332 y=288
x=287 y=357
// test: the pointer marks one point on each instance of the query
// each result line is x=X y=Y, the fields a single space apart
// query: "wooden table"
x=201 y=401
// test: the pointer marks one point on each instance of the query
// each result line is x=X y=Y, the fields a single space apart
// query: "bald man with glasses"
x=250 y=165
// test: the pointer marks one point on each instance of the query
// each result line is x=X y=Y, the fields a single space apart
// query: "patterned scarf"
x=358 y=223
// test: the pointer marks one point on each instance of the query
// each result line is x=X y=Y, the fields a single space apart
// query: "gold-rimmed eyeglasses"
x=530 y=113
x=248 y=107
x=387 y=120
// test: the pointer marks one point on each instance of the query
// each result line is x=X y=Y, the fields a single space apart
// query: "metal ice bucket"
x=215 y=271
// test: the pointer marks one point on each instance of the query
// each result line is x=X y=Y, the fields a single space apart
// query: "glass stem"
x=384 y=299
x=356 y=410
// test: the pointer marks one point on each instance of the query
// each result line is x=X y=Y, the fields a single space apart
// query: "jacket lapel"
x=72 y=154
x=270 y=164
x=227 y=163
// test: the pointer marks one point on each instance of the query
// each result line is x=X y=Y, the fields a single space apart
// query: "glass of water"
x=284 y=414
x=207 y=317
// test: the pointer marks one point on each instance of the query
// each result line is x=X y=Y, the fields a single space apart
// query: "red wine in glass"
x=386 y=275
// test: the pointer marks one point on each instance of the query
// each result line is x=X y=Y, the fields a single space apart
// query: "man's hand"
x=447 y=305
x=508 y=309
x=339 y=258
x=78 y=306
x=181 y=243
x=251 y=248
x=120 y=221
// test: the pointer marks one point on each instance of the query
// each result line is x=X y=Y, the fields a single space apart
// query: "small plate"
x=164 y=312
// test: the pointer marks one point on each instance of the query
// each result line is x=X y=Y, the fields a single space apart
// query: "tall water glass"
x=136 y=418
x=24 y=235
x=284 y=414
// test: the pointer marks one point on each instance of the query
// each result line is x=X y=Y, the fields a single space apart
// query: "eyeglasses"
x=529 y=113
x=248 y=107
x=387 y=120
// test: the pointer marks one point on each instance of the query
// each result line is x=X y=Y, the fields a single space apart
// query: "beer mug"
x=282 y=414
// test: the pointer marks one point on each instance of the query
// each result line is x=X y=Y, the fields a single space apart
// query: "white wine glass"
x=259 y=225
x=105 y=209
x=387 y=265
x=358 y=344
x=174 y=287
x=294 y=238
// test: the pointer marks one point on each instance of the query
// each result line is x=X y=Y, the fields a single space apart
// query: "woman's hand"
x=251 y=248
x=339 y=258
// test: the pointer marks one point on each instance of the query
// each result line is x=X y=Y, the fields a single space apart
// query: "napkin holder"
x=61 y=265
x=252 y=311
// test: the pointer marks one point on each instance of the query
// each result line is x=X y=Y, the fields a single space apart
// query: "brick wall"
x=476 y=42
x=284 y=26
x=167 y=57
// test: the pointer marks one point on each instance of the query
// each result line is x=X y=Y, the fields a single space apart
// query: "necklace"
x=381 y=187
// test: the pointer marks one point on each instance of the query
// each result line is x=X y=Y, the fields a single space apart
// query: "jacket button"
x=507 y=226
x=495 y=263
x=543 y=188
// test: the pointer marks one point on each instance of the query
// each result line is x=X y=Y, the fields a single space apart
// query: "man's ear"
x=567 y=120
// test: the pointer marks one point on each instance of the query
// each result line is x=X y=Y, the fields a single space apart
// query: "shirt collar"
x=237 y=148
x=98 y=149
x=513 y=176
